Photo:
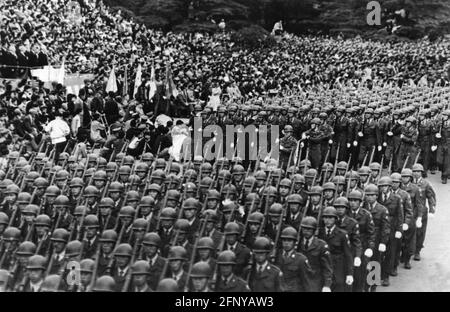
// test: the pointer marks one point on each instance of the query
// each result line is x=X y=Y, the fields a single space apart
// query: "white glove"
x=357 y=262
x=384 y=144
x=330 y=141
x=281 y=147
x=433 y=148
x=438 y=135
x=349 y=280
x=348 y=145
x=419 y=223
x=368 y=253
x=303 y=136
x=355 y=143
x=360 y=134
x=380 y=148
x=390 y=133
x=398 y=234
x=302 y=144
x=401 y=136
x=326 y=289
x=382 y=248
x=405 y=227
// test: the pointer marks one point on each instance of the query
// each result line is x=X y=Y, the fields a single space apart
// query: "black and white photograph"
x=241 y=147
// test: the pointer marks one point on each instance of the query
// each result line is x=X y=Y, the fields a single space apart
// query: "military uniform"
x=341 y=256
x=296 y=270
x=319 y=259
x=425 y=141
x=232 y=284
x=371 y=137
x=288 y=146
x=427 y=195
x=270 y=279
x=408 y=146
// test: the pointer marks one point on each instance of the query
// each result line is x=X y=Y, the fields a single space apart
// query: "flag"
x=171 y=89
x=111 y=86
x=152 y=84
x=138 y=80
x=125 y=83
x=423 y=81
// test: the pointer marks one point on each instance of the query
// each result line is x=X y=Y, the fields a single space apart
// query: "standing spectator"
x=58 y=130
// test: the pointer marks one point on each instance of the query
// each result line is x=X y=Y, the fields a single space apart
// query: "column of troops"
x=349 y=190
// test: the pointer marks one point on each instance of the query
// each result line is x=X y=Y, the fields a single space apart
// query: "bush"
x=253 y=37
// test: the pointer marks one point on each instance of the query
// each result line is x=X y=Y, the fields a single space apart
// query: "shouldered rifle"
x=194 y=250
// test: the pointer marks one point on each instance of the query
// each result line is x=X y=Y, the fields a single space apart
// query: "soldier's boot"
x=407 y=264
x=417 y=256
x=444 y=180
x=386 y=282
x=394 y=272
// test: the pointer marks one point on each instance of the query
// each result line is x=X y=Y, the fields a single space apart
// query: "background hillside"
x=299 y=16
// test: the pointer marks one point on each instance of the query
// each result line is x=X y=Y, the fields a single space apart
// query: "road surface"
x=432 y=273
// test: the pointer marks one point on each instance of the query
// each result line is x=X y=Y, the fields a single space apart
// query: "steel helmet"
x=396 y=177
x=11 y=234
x=104 y=283
x=152 y=239
x=355 y=195
x=226 y=257
x=341 y=202
x=231 y=228
x=37 y=262
x=177 y=253
x=108 y=236
x=262 y=244
x=26 y=249
x=201 y=270
x=417 y=167
x=371 y=189
x=205 y=243
x=256 y=217
x=140 y=267
x=167 y=285
x=124 y=250
x=330 y=212
x=60 y=235
x=309 y=223
x=385 y=181
x=289 y=233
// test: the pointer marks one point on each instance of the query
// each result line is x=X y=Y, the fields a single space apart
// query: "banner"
x=75 y=82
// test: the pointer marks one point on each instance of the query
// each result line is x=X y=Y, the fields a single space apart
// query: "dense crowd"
x=90 y=177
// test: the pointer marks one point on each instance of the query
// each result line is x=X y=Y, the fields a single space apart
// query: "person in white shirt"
x=58 y=129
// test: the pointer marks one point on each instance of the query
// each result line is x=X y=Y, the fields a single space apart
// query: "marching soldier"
x=408 y=143
x=263 y=276
x=382 y=227
x=226 y=280
x=341 y=255
x=428 y=196
x=293 y=265
x=393 y=203
x=318 y=254
x=315 y=138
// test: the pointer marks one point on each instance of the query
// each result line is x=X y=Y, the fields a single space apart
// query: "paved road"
x=432 y=273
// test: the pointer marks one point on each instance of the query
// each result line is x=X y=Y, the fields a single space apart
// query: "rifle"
x=194 y=250
x=390 y=166
x=365 y=158
x=127 y=282
x=372 y=155
x=417 y=157
x=406 y=162
x=336 y=161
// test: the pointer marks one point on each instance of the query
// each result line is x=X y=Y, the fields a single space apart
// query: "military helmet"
x=341 y=202
x=371 y=189
x=201 y=269
x=108 y=236
x=262 y=244
x=152 y=239
x=124 y=250
x=104 y=283
x=177 y=253
x=226 y=257
x=37 y=262
x=385 y=181
x=309 y=222
x=330 y=212
x=355 y=195
x=26 y=248
x=289 y=233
